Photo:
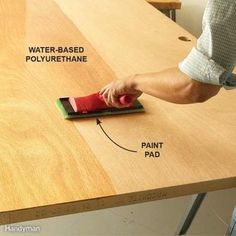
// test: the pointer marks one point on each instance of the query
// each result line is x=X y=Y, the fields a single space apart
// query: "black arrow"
x=99 y=123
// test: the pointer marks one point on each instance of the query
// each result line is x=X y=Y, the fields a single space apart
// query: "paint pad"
x=68 y=111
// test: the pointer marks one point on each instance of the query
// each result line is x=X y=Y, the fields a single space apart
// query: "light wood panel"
x=49 y=166
x=190 y=132
x=130 y=41
x=43 y=159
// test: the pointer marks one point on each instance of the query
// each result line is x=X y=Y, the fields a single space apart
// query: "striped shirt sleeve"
x=214 y=57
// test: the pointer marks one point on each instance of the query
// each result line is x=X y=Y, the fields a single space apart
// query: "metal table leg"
x=171 y=13
x=190 y=213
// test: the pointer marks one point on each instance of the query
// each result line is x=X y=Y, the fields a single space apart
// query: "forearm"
x=173 y=86
x=170 y=85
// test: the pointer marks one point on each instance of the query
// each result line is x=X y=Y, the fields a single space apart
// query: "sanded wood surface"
x=49 y=166
x=165 y=4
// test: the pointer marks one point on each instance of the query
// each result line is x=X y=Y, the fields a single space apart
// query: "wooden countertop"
x=50 y=166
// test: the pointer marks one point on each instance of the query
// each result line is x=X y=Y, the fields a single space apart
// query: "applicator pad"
x=94 y=106
x=95 y=102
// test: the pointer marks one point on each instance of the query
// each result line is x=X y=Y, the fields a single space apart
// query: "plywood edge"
x=114 y=201
x=171 y=5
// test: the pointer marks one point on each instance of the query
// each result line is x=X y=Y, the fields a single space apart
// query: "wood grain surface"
x=49 y=166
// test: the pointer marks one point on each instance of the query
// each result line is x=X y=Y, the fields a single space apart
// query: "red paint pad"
x=68 y=112
x=95 y=102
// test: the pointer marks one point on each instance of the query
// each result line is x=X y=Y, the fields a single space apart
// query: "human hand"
x=112 y=92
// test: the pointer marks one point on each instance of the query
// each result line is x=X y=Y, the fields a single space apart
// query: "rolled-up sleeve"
x=214 y=57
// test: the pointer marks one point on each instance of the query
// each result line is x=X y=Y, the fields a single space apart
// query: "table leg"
x=190 y=213
x=166 y=12
x=173 y=15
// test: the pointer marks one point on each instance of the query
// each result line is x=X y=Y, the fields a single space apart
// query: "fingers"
x=111 y=99
x=104 y=88
x=110 y=95
x=105 y=92
x=112 y=92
